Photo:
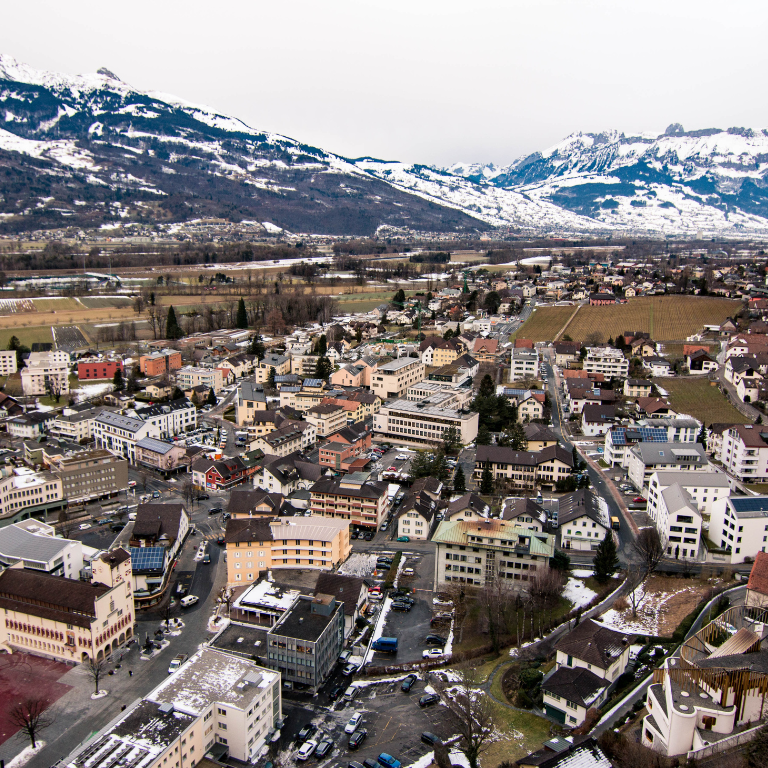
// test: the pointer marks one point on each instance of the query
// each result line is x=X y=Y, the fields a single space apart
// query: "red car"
x=639 y=500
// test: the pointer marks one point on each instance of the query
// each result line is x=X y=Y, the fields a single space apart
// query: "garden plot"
x=15 y=306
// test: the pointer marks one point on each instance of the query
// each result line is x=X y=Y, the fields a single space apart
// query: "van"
x=615 y=524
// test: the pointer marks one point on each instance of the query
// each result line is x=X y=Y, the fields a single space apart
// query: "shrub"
x=620 y=604
x=523 y=700
x=530 y=678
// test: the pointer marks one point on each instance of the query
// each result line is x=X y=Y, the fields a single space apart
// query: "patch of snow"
x=359 y=564
x=583 y=573
x=577 y=593
x=25 y=755
x=651 y=609
x=379 y=629
x=99 y=695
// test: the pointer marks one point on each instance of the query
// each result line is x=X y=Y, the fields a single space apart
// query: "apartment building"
x=215 y=700
x=703 y=488
x=345 y=447
x=744 y=452
x=416 y=515
x=280 y=442
x=457 y=397
x=524 y=470
x=608 y=361
x=8 y=363
x=281 y=364
x=34 y=545
x=480 y=551
x=259 y=544
x=619 y=440
x=160 y=455
x=75 y=425
x=189 y=376
x=249 y=402
x=95 y=368
x=46 y=373
x=567 y=352
x=159 y=363
x=583 y=520
x=29 y=426
x=90 y=475
x=286 y=474
x=327 y=418
x=647 y=458
x=172 y=418
x=304 y=365
x=524 y=364
x=424 y=423
x=739 y=525
x=353 y=497
x=392 y=379
x=678 y=522
x=64 y=619
x=119 y=434
x=25 y=493
x=637 y=388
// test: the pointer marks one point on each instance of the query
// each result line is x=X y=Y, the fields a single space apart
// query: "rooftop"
x=301 y=623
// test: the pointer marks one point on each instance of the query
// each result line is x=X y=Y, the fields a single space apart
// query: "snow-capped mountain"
x=90 y=151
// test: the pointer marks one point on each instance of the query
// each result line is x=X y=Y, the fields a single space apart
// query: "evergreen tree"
x=257 y=347
x=399 y=298
x=483 y=435
x=212 y=399
x=560 y=561
x=487 y=387
x=271 y=377
x=16 y=346
x=324 y=368
x=196 y=399
x=459 y=482
x=172 y=327
x=177 y=394
x=242 y=315
x=605 y=560
x=486 y=480
x=451 y=440
x=322 y=346
x=702 y=437
x=117 y=381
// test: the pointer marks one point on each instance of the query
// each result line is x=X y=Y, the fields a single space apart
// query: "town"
x=480 y=512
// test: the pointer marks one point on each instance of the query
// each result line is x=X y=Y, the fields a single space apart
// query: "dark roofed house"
x=350 y=591
x=525 y=513
x=160 y=525
x=571 y=692
x=575 y=752
x=245 y=502
x=470 y=506
x=220 y=474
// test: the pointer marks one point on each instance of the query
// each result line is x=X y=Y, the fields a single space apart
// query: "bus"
x=615 y=524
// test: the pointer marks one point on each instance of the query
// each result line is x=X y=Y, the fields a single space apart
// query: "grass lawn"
x=523 y=732
x=64 y=303
x=695 y=396
x=26 y=336
x=544 y=323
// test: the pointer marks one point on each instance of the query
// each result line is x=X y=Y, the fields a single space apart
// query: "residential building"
x=350 y=591
x=658 y=366
x=305 y=643
x=281 y=364
x=189 y=376
x=95 y=368
x=160 y=363
x=25 y=493
x=33 y=544
x=8 y=363
x=247 y=502
x=416 y=515
x=558 y=752
x=524 y=469
x=567 y=352
x=597 y=419
x=647 y=458
x=744 y=452
x=75 y=426
x=352 y=497
x=119 y=434
x=589 y=660
x=172 y=418
x=700 y=363
x=304 y=365
x=63 y=619
x=757 y=586
x=480 y=551
x=583 y=520
x=90 y=475
x=219 y=474
x=608 y=361
x=530 y=408
x=619 y=440
x=539 y=437
x=524 y=364
x=424 y=423
x=678 y=521
x=637 y=388
x=345 y=447
x=470 y=506
x=46 y=373
x=160 y=455
x=258 y=544
x=391 y=380
x=526 y=513
x=158 y=392
x=29 y=426
x=327 y=418
x=288 y=438
x=286 y=474
x=487 y=351
x=250 y=402
x=739 y=526
x=703 y=488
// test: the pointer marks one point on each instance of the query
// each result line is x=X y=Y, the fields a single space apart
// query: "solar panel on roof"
x=147 y=558
x=750 y=503
x=312 y=382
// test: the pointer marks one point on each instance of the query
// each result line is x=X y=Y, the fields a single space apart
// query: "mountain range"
x=91 y=151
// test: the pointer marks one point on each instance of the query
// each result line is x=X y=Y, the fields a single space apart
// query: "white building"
x=189 y=376
x=524 y=363
x=46 y=373
x=34 y=545
x=739 y=524
x=7 y=362
x=608 y=361
x=678 y=521
x=647 y=458
x=424 y=423
x=393 y=379
x=119 y=434
x=25 y=493
x=744 y=452
x=583 y=520
x=173 y=418
x=704 y=488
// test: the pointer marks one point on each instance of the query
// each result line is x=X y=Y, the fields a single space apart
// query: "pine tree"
x=605 y=560
x=271 y=377
x=257 y=347
x=322 y=346
x=172 y=327
x=459 y=483
x=399 y=298
x=486 y=480
x=117 y=381
x=483 y=436
x=212 y=399
x=323 y=368
x=242 y=315
x=487 y=387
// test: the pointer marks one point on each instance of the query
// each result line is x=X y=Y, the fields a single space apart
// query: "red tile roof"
x=758 y=576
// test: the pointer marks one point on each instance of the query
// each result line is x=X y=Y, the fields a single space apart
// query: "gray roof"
x=396 y=365
x=250 y=391
x=18 y=544
x=670 y=453
x=159 y=409
x=707 y=479
x=156 y=446
x=127 y=423
x=677 y=498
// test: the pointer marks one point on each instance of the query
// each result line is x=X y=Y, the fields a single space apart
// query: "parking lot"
x=393 y=719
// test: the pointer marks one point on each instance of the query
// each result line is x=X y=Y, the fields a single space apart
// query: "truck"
x=385 y=645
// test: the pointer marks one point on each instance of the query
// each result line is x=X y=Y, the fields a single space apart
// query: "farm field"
x=14 y=306
x=26 y=336
x=101 y=302
x=671 y=318
x=694 y=395
x=544 y=323
x=57 y=305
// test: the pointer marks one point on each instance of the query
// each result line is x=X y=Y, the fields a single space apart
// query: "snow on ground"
x=399 y=570
x=577 y=593
x=424 y=761
x=359 y=564
x=448 y=649
x=651 y=609
x=382 y=620
x=582 y=573
x=28 y=753
x=87 y=391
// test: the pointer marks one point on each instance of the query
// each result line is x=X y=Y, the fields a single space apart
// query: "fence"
x=730 y=741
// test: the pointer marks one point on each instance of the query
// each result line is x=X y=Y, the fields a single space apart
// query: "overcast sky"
x=430 y=81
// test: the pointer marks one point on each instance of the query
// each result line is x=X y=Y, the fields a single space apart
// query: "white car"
x=189 y=600
x=354 y=723
x=432 y=653
x=132 y=516
x=307 y=748
x=84 y=526
x=131 y=483
x=401 y=457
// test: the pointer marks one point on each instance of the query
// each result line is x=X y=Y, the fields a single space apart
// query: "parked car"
x=388 y=761
x=324 y=747
x=155 y=494
x=435 y=640
x=215 y=510
x=116 y=527
x=177 y=662
x=84 y=526
x=206 y=558
x=354 y=722
x=369 y=536
x=430 y=739
x=408 y=572
x=306 y=750
x=220 y=541
x=335 y=692
x=203 y=497
x=344 y=656
x=306 y=732
x=370 y=763
x=408 y=683
x=428 y=699
x=432 y=653
x=398 y=605
x=189 y=600
x=384 y=526
x=403 y=538
x=349 y=669
x=104 y=521
x=357 y=738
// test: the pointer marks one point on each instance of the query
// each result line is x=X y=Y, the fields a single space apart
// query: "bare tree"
x=473 y=711
x=66 y=524
x=649 y=547
x=96 y=669
x=187 y=490
x=30 y=717
x=167 y=613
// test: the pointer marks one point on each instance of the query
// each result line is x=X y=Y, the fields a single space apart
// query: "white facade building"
x=46 y=372
x=647 y=458
x=119 y=434
x=744 y=452
x=739 y=524
x=190 y=376
x=393 y=379
x=608 y=361
x=524 y=363
x=7 y=362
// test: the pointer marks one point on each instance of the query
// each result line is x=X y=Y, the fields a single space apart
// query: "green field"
x=26 y=336
x=64 y=303
x=102 y=302
x=544 y=323
x=695 y=396
x=671 y=318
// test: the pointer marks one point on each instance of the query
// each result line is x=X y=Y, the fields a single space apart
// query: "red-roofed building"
x=757 y=586
x=523 y=344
